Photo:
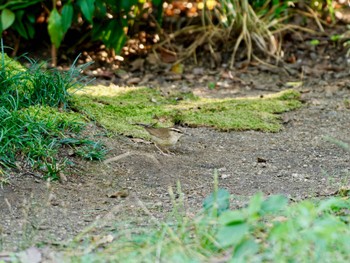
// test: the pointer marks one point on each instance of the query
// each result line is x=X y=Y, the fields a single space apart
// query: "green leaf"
x=67 y=16
x=101 y=9
x=232 y=217
x=7 y=18
x=255 y=205
x=55 y=28
x=158 y=6
x=211 y=85
x=274 y=204
x=332 y=203
x=112 y=35
x=127 y=4
x=335 y=37
x=244 y=251
x=231 y=235
x=157 y=2
x=19 y=25
x=280 y=230
x=220 y=199
x=87 y=7
x=314 y=42
x=31 y=18
x=30 y=30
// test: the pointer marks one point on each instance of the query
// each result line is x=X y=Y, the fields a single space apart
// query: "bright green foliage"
x=7 y=18
x=265 y=230
x=20 y=15
x=67 y=16
x=109 y=20
x=31 y=124
x=35 y=85
x=55 y=28
x=87 y=8
x=248 y=21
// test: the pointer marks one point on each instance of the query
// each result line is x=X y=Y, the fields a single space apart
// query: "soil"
x=132 y=184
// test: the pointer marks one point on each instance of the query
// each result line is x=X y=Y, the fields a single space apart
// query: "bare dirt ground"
x=133 y=183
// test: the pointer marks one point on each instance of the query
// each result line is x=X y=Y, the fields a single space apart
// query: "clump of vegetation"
x=265 y=230
x=118 y=109
x=225 y=26
x=34 y=116
x=213 y=26
x=21 y=18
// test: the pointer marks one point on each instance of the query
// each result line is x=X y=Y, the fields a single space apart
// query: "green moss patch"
x=118 y=108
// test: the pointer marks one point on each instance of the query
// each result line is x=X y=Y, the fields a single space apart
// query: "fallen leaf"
x=168 y=56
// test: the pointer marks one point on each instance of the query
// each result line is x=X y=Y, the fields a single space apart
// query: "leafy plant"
x=109 y=20
x=20 y=15
x=265 y=230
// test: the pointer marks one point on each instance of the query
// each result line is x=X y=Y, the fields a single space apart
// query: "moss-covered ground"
x=118 y=109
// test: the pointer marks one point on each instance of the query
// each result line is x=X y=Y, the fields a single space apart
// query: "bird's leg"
x=161 y=152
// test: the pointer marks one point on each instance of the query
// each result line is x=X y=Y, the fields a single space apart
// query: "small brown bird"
x=162 y=137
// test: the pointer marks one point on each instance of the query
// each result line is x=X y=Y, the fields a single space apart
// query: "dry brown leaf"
x=168 y=56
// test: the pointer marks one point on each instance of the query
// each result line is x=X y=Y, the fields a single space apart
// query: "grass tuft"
x=34 y=116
